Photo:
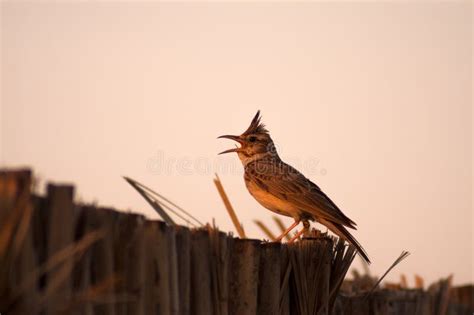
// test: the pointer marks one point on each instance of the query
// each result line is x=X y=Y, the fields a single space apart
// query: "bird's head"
x=254 y=142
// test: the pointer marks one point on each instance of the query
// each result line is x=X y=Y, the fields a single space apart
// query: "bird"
x=282 y=189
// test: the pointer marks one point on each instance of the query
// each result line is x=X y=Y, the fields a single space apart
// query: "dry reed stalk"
x=70 y=252
x=23 y=227
x=98 y=294
x=173 y=207
x=265 y=230
x=154 y=204
x=228 y=206
x=419 y=282
x=159 y=202
x=400 y=258
x=58 y=269
x=403 y=281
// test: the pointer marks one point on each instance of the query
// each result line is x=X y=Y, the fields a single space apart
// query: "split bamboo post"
x=269 y=278
x=16 y=237
x=244 y=277
x=285 y=273
x=310 y=260
x=53 y=252
x=173 y=283
x=98 y=264
x=130 y=262
x=183 y=246
x=156 y=286
x=201 y=295
x=221 y=252
x=60 y=234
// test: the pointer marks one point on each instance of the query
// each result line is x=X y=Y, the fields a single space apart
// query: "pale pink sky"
x=372 y=101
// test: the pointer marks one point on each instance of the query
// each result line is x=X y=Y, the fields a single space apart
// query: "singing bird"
x=282 y=189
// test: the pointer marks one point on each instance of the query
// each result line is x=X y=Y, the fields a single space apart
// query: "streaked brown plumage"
x=282 y=189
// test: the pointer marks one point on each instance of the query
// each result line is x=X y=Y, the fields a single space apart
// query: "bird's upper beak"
x=235 y=138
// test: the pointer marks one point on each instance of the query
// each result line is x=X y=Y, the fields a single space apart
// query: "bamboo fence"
x=61 y=257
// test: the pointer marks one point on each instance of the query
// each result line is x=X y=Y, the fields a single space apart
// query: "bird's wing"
x=286 y=183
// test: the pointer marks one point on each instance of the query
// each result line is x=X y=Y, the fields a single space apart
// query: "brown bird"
x=282 y=189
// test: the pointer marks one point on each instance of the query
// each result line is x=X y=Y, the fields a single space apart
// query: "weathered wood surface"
x=245 y=263
x=269 y=289
x=404 y=302
x=58 y=257
x=461 y=300
x=183 y=246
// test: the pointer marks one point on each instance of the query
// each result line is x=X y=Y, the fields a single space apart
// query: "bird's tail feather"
x=342 y=232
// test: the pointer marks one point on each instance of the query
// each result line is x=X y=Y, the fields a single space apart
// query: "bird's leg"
x=302 y=232
x=288 y=230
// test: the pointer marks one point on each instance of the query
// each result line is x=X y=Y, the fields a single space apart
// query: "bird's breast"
x=271 y=202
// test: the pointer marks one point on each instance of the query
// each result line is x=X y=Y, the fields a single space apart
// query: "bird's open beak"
x=235 y=138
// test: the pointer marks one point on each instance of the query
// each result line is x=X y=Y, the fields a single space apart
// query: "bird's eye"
x=252 y=139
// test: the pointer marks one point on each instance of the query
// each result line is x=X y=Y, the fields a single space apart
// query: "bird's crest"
x=256 y=126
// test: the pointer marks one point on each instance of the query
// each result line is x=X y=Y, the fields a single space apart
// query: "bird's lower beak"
x=230 y=150
x=235 y=138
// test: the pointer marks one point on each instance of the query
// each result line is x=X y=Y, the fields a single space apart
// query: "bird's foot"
x=288 y=230
x=297 y=236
